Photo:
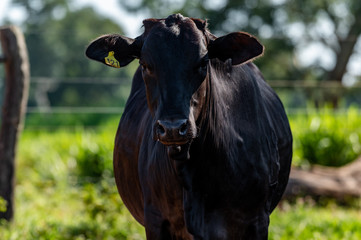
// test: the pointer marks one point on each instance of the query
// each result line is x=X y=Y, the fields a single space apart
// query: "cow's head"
x=174 y=56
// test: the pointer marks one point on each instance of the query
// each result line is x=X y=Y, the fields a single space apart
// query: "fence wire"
x=309 y=89
x=290 y=92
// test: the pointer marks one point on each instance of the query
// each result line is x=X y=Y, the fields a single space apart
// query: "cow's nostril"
x=183 y=129
x=174 y=131
x=161 y=129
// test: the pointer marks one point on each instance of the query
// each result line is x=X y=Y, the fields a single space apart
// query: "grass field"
x=65 y=190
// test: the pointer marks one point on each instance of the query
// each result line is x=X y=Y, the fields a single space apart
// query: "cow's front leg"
x=257 y=229
x=156 y=227
x=160 y=232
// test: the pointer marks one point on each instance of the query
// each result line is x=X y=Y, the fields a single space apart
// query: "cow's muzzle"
x=177 y=135
x=173 y=132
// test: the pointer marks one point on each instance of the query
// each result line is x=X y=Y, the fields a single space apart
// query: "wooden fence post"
x=17 y=76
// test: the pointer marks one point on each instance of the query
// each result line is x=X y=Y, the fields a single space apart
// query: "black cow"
x=203 y=149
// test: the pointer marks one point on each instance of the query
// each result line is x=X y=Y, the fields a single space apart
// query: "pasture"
x=65 y=187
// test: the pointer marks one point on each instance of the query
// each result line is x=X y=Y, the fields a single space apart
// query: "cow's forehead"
x=182 y=35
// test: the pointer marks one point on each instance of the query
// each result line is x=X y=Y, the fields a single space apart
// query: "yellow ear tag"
x=111 y=61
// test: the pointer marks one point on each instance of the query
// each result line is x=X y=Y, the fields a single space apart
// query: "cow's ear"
x=114 y=50
x=238 y=46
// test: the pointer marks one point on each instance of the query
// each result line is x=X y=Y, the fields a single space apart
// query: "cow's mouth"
x=179 y=142
x=179 y=152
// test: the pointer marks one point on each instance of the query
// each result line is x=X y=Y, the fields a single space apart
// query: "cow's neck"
x=217 y=128
x=231 y=116
x=226 y=128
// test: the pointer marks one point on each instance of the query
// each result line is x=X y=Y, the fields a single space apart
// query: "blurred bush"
x=3 y=204
x=327 y=147
x=54 y=120
x=80 y=156
x=327 y=138
x=93 y=159
x=65 y=187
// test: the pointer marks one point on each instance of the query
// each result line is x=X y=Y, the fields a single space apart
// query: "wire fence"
x=298 y=97
x=311 y=90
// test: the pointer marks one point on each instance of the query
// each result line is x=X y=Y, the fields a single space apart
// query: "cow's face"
x=174 y=58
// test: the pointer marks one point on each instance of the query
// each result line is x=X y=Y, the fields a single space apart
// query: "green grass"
x=56 y=198
x=311 y=222
x=65 y=188
x=54 y=212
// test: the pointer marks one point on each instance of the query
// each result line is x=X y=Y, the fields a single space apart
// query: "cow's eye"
x=142 y=65
x=145 y=67
x=203 y=65
x=194 y=102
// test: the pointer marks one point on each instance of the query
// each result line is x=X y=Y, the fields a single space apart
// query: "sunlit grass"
x=305 y=221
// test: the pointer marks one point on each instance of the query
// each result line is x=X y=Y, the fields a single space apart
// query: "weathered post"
x=17 y=76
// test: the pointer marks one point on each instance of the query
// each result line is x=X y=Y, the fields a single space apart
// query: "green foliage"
x=326 y=147
x=56 y=36
x=65 y=188
x=93 y=159
x=54 y=157
x=3 y=204
x=326 y=138
x=71 y=212
x=260 y=18
x=306 y=221
x=61 y=120
x=286 y=28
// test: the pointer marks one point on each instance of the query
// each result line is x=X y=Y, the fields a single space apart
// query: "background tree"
x=261 y=18
x=288 y=28
x=57 y=38
x=343 y=17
